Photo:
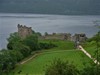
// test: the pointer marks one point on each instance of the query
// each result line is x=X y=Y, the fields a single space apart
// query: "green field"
x=38 y=65
x=65 y=51
x=90 y=47
x=61 y=45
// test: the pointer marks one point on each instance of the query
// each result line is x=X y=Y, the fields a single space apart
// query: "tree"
x=38 y=34
x=14 y=37
x=16 y=55
x=59 y=67
x=8 y=60
x=46 y=34
x=22 y=48
x=32 y=42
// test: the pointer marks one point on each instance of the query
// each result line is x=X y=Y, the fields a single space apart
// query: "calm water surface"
x=46 y=23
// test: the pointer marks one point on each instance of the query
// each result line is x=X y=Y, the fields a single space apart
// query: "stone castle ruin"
x=58 y=36
x=79 y=37
x=24 y=31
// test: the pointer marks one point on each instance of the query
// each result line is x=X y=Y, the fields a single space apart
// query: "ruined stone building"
x=58 y=36
x=24 y=31
x=79 y=37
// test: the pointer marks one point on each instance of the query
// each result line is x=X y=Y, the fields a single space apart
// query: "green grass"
x=61 y=44
x=64 y=50
x=38 y=65
x=90 y=47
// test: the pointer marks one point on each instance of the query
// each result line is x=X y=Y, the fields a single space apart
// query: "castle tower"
x=24 y=31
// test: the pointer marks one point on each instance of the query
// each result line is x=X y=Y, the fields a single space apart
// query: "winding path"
x=35 y=55
x=79 y=47
x=29 y=59
x=87 y=54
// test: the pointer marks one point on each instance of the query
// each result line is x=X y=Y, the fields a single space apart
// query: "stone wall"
x=24 y=31
x=58 y=36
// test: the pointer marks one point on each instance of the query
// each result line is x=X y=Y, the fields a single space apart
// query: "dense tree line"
x=18 y=49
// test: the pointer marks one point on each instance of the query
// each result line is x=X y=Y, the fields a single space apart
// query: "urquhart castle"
x=24 y=31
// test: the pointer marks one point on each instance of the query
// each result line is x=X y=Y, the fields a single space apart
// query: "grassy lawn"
x=91 y=50
x=61 y=44
x=64 y=50
x=90 y=47
x=38 y=65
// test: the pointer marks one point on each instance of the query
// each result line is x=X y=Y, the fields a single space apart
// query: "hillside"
x=64 y=51
x=72 y=7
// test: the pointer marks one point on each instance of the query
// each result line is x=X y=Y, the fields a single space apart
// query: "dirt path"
x=41 y=53
x=87 y=54
x=80 y=48
x=30 y=58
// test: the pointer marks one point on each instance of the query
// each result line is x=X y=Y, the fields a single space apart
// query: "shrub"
x=59 y=67
x=91 y=70
x=23 y=49
x=46 y=45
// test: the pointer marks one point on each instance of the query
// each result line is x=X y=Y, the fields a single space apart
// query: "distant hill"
x=69 y=7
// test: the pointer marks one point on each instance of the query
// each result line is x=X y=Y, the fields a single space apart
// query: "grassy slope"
x=90 y=47
x=61 y=45
x=38 y=65
x=64 y=51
